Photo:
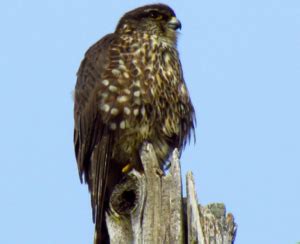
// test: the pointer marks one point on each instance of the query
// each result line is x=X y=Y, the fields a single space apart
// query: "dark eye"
x=154 y=15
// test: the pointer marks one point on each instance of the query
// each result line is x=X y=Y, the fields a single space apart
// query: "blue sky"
x=241 y=64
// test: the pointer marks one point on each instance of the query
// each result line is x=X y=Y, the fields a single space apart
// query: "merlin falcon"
x=130 y=90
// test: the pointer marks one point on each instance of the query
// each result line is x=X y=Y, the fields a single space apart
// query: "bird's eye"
x=155 y=15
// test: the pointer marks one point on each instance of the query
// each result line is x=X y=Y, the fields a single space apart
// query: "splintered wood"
x=149 y=208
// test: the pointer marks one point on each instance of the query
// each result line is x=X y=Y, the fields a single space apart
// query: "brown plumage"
x=130 y=89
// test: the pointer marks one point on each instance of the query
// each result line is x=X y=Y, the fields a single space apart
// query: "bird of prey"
x=130 y=89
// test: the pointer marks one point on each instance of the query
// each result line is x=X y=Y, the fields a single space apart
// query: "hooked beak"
x=174 y=23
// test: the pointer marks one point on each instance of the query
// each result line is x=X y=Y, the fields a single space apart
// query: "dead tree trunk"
x=149 y=208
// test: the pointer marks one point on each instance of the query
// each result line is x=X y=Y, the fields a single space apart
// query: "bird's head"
x=156 y=19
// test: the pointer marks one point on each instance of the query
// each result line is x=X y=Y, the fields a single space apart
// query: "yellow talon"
x=126 y=168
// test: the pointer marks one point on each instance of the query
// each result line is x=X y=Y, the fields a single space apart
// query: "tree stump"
x=149 y=208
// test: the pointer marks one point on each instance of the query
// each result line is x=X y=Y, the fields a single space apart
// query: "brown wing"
x=93 y=140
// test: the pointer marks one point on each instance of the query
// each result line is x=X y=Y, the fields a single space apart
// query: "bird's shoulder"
x=96 y=56
x=91 y=71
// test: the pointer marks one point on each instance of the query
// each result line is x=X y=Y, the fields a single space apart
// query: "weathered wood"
x=149 y=208
x=207 y=224
x=195 y=231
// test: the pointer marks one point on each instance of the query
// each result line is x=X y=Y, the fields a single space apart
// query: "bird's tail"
x=101 y=236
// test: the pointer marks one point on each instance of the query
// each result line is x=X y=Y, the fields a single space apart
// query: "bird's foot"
x=160 y=172
x=127 y=168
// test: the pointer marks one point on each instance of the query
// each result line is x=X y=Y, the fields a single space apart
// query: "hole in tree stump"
x=125 y=196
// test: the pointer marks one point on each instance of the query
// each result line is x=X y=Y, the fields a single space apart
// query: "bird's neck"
x=143 y=37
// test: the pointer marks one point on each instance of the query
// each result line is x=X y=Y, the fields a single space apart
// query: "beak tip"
x=175 y=24
x=179 y=25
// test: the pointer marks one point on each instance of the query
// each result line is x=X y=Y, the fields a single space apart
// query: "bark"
x=149 y=208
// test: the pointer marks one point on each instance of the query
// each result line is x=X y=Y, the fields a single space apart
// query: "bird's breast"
x=141 y=85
